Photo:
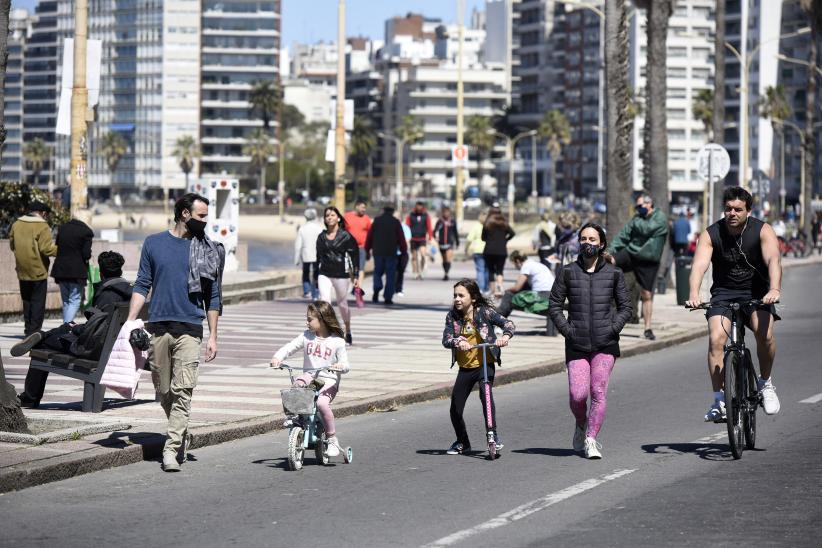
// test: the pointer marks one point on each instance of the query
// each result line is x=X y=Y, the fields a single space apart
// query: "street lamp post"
x=79 y=108
x=745 y=59
x=339 y=133
x=534 y=193
x=510 y=147
x=399 y=143
x=459 y=183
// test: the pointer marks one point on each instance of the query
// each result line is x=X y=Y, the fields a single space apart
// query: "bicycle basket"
x=298 y=401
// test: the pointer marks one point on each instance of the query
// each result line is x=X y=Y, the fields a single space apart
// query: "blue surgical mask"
x=642 y=211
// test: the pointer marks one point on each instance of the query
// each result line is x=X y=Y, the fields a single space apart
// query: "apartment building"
x=12 y=166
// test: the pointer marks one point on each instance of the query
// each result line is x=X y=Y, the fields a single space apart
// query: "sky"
x=314 y=20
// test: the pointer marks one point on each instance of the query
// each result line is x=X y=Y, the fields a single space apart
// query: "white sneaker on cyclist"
x=770 y=401
x=579 y=437
x=716 y=413
x=592 y=449
x=333 y=447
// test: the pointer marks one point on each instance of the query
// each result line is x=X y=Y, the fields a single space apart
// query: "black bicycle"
x=742 y=396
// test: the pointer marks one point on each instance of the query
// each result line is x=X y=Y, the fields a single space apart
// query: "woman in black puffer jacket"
x=591 y=285
x=339 y=264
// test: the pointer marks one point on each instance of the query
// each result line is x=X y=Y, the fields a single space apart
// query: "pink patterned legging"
x=589 y=375
x=327 y=394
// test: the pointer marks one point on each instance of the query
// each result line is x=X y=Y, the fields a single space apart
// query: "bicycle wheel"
x=751 y=404
x=319 y=448
x=734 y=403
x=296 y=451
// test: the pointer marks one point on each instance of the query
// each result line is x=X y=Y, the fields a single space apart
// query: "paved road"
x=667 y=478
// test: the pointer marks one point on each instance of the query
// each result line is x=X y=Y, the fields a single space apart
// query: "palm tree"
x=655 y=149
x=36 y=154
x=620 y=117
x=186 y=151
x=703 y=110
x=113 y=147
x=5 y=8
x=814 y=10
x=409 y=132
x=260 y=149
x=774 y=106
x=265 y=100
x=362 y=146
x=557 y=131
x=480 y=135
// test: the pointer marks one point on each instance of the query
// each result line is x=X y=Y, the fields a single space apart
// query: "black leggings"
x=466 y=379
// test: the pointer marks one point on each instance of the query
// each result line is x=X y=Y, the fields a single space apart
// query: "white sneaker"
x=770 y=402
x=579 y=438
x=592 y=449
x=333 y=447
x=716 y=413
x=170 y=463
x=399 y=294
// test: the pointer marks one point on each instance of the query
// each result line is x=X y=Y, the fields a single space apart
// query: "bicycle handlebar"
x=727 y=305
x=484 y=345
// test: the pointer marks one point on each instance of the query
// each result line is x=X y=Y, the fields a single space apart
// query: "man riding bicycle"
x=744 y=253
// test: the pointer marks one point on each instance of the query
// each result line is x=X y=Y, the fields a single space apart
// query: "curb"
x=150 y=446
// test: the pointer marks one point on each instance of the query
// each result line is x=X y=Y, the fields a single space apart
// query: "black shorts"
x=416 y=244
x=644 y=271
x=495 y=264
x=717 y=309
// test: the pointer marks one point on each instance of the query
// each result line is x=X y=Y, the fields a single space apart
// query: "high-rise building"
x=315 y=63
x=690 y=68
x=11 y=166
x=40 y=91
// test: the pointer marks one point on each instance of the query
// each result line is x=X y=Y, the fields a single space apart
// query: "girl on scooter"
x=323 y=345
x=591 y=284
x=471 y=321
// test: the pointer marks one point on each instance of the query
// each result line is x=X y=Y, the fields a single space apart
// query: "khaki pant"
x=175 y=365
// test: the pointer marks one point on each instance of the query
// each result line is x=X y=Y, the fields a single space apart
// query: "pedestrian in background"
x=567 y=242
x=471 y=321
x=403 y=260
x=590 y=285
x=681 y=234
x=183 y=270
x=305 y=252
x=533 y=276
x=495 y=233
x=474 y=247
x=544 y=240
x=384 y=240
x=638 y=248
x=70 y=269
x=338 y=255
x=30 y=241
x=358 y=223
x=448 y=238
x=420 y=224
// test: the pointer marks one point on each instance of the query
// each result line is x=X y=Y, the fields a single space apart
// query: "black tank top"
x=739 y=271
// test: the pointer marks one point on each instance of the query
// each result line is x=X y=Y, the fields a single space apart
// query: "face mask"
x=642 y=211
x=589 y=251
x=196 y=227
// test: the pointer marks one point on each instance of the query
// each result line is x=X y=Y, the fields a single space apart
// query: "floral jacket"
x=485 y=319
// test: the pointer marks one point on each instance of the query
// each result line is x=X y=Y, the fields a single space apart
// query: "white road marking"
x=528 y=508
x=813 y=399
x=712 y=438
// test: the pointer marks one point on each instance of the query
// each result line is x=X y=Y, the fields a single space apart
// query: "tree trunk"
x=719 y=102
x=553 y=175
x=656 y=132
x=5 y=8
x=479 y=170
x=261 y=186
x=810 y=143
x=11 y=416
x=620 y=123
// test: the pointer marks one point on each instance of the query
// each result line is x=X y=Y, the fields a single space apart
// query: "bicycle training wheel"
x=751 y=404
x=296 y=451
x=734 y=402
x=319 y=449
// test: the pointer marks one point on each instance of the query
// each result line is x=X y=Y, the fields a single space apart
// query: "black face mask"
x=196 y=227
x=642 y=211
x=588 y=251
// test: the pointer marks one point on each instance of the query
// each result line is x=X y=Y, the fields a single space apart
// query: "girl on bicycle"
x=590 y=284
x=323 y=345
x=471 y=321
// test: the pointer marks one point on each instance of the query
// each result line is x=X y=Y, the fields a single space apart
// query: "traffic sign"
x=459 y=156
x=713 y=161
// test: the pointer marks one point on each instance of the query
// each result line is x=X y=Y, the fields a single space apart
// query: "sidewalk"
x=396 y=359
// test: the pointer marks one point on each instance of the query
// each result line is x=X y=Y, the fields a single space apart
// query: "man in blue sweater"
x=182 y=268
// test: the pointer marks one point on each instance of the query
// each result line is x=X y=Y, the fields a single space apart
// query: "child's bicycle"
x=485 y=388
x=306 y=430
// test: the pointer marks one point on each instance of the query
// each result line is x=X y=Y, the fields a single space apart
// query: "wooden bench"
x=88 y=371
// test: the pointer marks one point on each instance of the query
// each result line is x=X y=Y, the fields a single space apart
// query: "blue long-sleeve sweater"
x=164 y=265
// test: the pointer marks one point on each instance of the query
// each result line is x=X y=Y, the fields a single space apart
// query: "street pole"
x=601 y=113
x=458 y=187
x=511 y=194
x=802 y=183
x=782 y=175
x=534 y=193
x=281 y=174
x=710 y=190
x=339 y=134
x=400 y=144
x=79 y=108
